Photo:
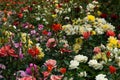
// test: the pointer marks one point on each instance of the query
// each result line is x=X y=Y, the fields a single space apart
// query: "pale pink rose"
x=96 y=50
x=55 y=77
x=50 y=62
x=51 y=43
x=46 y=73
x=118 y=36
x=66 y=45
x=28 y=78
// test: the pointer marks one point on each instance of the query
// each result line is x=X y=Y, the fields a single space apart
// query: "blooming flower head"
x=81 y=58
x=110 y=33
x=56 y=77
x=97 y=50
x=7 y=51
x=51 y=43
x=112 y=42
x=56 y=27
x=63 y=70
x=28 y=78
x=91 y=18
x=112 y=69
x=50 y=64
x=101 y=77
x=40 y=27
x=33 y=51
x=46 y=74
x=32 y=69
x=74 y=64
x=86 y=35
x=95 y=64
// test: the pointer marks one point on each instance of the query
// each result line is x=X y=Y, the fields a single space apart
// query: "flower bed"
x=58 y=40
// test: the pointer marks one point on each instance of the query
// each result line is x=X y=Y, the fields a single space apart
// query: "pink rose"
x=51 y=43
x=97 y=50
x=28 y=78
x=50 y=64
x=66 y=45
x=55 y=77
x=46 y=73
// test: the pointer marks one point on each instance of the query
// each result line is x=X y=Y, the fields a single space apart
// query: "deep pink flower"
x=28 y=78
x=56 y=77
x=32 y=69
x=40 y=27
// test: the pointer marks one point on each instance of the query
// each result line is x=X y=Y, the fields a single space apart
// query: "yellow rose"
x=113 y=40
x=93 y=33
x=41 y=55
x=99 y=13
x=23 y=37
x=76 y=47
x=79 y=41
x=54 y=15
x=91 y=18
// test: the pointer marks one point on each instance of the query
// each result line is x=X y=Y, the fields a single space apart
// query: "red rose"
x=11 y=52
x=7 y=50
x=86 y=35
x=30 y=9
x=108 y=54
x=112 y=69
x=63 y=70
x=103 y=15
x=114 y=16
x=64 y=50
x=16 y=23
x=20 y=15
x=56 y=27
x=3 y=52
x=110 y=33
x=33 y=51
x=45 y=32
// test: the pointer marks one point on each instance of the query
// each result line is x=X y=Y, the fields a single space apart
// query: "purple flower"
x=28 y=71
x=49 y=34
x=21 y=56
x=40 y=27
x=18 y=44
x=32 y=68
x=33 y=32
x=2 y=66
x=22 y=73
x=25 y=25
x=1 y=77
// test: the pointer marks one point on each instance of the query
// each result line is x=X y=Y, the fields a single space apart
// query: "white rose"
x=82 y=74
x=73 y=64
x=95 y=64
x=101 y=77
x=81 y=58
